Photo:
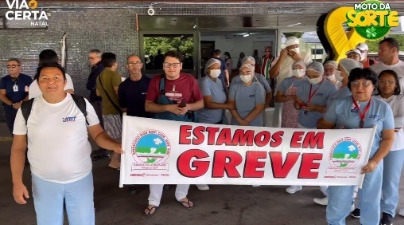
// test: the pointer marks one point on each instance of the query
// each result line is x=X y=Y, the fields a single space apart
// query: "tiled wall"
x=108 y=27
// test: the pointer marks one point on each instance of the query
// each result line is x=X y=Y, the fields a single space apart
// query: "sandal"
x=150 y=210
x=186 y=203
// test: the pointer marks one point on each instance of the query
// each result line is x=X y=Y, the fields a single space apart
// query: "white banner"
x=170 y=152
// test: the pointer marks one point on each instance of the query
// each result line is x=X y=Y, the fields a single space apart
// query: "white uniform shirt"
x=59 y=150
x=396 y=103
x=398 y=68
x=34 y=90
x=286 y=69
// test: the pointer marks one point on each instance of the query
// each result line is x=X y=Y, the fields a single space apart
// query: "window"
x=317 y=51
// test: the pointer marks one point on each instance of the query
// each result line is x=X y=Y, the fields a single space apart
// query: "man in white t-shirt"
x=282 y=68
x=59 y=152
x=48 y=56
x=389 y=60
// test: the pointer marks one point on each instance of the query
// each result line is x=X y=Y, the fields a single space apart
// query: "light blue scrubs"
x=216 y=91
x=393 y=162
x=324 y=91
x=246 y=98
x=341 y=93
x=258 y=77
x=342 y=112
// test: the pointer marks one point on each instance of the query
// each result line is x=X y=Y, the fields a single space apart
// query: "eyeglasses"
x=12 y=66
x=267 y=51
x=364 y=83
x=390 y=82
x=168 y=65
x=135 y=63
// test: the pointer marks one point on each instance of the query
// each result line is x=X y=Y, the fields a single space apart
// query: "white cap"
x=362 y=47
x=354 y=51
x=291 y=41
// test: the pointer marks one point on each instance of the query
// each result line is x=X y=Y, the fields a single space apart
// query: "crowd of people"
x=354 y=93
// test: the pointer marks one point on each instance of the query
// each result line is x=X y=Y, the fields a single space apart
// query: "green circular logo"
x=371 y=19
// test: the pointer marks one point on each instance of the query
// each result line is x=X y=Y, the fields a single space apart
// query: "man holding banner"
x=172 y=96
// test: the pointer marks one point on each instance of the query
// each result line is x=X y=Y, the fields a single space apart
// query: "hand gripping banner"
x=171 y=152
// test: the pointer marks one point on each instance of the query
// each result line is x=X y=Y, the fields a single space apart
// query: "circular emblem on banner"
x=345 y=152
x=151 y=146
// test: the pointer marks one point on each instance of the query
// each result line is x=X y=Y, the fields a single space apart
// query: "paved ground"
x=224 y=205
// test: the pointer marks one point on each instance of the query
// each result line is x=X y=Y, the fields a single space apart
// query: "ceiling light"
x=292 y=25
x=246 y=35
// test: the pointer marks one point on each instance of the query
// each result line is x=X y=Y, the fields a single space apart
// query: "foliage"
x=294 y=34
x=374 y=45
x=184 y=45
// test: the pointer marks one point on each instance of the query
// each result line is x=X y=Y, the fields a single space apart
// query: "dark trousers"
x=10 y=117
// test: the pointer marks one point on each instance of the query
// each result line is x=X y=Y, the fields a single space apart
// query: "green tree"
x=293 y=34
x=184 y=45
x=374 y=45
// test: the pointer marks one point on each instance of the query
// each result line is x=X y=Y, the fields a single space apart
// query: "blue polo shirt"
x=343 y=113
x=16 y=88
x=132 y=96
x=218 y=95
x=321 y=93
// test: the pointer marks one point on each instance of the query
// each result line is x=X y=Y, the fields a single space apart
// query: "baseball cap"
x=362 y=47
x=353 y=51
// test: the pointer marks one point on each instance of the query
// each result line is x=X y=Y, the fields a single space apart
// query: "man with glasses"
x=13 y=90
x=172 y=96
x=94 y=58
x=132 y=92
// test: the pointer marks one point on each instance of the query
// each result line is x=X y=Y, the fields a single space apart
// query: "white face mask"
x=362 y=56
x=215 y=73
x=297 y=50
x=331 y=77
x=246 y=78
x=314 y=80
x=338 y=76
x=298 y=73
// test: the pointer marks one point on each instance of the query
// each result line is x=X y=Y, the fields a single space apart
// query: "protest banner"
x=171 y=152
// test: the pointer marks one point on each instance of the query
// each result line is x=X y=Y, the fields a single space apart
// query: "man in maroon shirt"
x=172 y=96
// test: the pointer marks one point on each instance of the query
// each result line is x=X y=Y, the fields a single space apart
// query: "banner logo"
x=345 y=153
x=151 y=150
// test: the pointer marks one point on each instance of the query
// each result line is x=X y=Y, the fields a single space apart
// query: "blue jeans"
x=393 y=165
x=340 y=200
x=49 y=198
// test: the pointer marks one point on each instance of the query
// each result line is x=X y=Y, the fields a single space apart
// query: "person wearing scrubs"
x=361 y=110
x=248 y=99
x=389 y=91
x=257 y=77
x=313 y=94
x=331 y=72
x=214 y=98
x=345 y=66
x=287 y=95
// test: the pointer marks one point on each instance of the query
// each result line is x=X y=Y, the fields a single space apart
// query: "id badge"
x=15 y=88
